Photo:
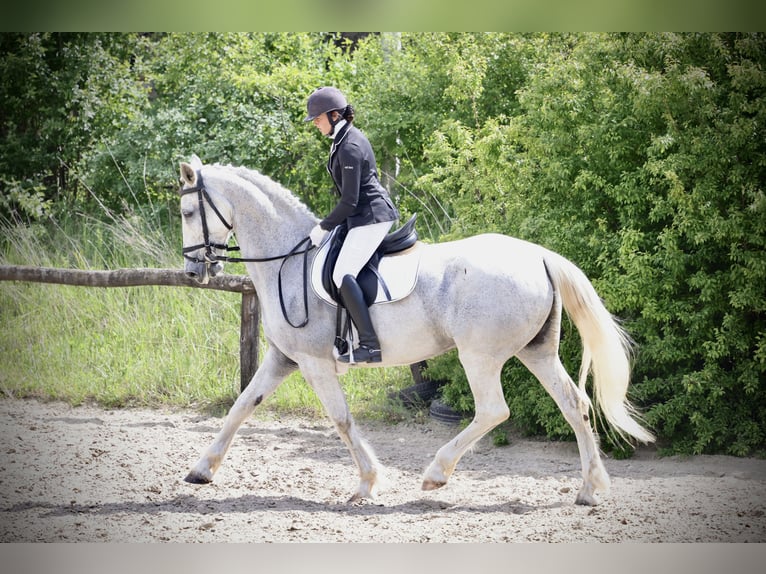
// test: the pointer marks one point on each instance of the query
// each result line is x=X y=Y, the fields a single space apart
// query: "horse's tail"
x=606 y=347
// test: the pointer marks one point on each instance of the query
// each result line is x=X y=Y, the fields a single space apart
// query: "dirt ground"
x=86 y=474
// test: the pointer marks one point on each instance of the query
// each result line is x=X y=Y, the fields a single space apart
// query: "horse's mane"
x=282 y=198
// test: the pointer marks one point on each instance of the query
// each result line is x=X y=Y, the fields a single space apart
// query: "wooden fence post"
x=248 y=338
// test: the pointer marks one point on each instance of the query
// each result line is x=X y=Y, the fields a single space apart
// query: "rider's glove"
x=317 y=235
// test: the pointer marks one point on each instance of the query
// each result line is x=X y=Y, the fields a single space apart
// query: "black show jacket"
x=363 y=200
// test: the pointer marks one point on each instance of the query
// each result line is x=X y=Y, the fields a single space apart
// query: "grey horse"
x=491 y=297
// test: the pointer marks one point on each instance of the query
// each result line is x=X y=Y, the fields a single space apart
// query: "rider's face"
x=322 y=123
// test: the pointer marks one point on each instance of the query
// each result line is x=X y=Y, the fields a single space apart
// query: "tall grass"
x=146 y=346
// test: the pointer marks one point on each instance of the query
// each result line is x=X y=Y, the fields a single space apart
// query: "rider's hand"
x=317 y=235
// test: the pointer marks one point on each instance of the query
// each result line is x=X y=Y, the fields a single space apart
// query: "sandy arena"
x=85 y=474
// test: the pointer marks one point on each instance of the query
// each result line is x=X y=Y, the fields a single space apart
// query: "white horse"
x=491 y=296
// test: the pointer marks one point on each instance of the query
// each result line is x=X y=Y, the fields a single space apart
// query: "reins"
x=212 y=257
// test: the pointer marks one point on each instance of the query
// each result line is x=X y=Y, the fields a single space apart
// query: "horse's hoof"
x=586 y=499
x=360 y=495
x=355 y=498
x=432 y=484
x=195 y=478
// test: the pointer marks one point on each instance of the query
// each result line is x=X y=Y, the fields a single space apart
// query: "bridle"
x=211 y=256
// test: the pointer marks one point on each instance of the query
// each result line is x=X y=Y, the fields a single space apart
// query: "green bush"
x=639 y=158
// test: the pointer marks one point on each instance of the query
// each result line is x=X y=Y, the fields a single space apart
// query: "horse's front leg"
x=269 y=375
x=321 y=375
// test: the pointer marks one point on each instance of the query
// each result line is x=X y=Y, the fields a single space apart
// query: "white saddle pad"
x=399 y=271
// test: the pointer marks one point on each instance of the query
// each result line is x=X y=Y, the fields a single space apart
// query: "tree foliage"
x=641 y=157
x=61 y=94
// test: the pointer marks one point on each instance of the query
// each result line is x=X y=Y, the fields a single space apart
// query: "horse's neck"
x=267 y=222
x=270 y=232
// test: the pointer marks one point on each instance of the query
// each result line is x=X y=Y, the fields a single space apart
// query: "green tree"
x=639 y=157
x=61 y=94
x=231 y=98
x=692 y=252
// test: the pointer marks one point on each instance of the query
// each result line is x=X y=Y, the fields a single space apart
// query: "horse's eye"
x=187 y=213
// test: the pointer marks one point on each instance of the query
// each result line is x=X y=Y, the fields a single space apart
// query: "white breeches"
x=360 y=244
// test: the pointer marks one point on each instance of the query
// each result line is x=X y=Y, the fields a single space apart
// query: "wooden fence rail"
x=250 y=317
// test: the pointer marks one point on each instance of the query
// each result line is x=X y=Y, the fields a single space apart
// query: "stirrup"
x=363 y=354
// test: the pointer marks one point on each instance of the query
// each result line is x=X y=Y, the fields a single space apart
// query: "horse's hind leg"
x=269 y=375
x=545 y=364
x=483 y=372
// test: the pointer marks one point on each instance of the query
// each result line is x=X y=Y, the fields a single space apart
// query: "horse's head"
x=205 y=217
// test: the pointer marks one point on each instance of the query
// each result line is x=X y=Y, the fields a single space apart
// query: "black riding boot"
x=353 y=299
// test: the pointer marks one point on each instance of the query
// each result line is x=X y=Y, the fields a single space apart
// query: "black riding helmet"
x=323 y=100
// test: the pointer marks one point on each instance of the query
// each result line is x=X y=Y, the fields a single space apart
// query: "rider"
x=364 y=205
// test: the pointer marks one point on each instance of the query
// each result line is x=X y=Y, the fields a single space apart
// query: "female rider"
x=364 y=205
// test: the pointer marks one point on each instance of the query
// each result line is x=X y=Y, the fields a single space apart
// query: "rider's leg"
x=358 y=247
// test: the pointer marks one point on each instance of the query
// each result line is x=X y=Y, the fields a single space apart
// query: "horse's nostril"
x=191 y=274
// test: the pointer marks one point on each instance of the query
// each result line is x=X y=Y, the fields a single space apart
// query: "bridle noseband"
x=211 y=256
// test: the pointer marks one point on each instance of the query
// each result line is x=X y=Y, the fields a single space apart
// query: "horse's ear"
x=196 y=162
x=188 y=175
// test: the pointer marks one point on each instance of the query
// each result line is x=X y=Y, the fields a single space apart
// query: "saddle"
x=370 y=278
